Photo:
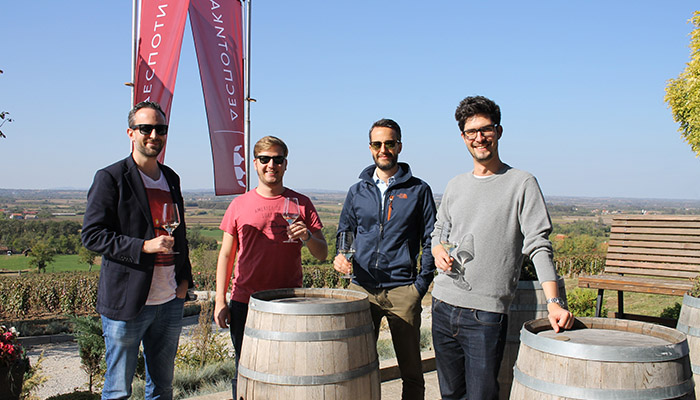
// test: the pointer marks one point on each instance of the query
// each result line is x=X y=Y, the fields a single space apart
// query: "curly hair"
x=476 y=105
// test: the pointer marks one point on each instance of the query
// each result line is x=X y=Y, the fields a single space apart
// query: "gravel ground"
x=61 y=364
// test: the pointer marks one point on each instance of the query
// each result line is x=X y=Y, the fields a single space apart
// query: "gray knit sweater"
x=499 y=219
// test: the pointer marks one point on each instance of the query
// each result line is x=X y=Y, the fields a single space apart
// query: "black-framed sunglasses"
x=276 y=159
x=146 y=129
x=486 y=131
x=389 y=144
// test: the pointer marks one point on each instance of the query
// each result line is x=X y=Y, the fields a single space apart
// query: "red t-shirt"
x=264 y=261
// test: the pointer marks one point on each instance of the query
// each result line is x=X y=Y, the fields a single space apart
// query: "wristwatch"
x=559 y=301
x=304 y=241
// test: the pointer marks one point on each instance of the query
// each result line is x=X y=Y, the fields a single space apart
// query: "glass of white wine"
x=346 y=248
x=291 y=213
x=171 y=220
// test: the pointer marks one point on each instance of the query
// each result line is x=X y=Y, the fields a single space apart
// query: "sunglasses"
x=266 y=159
x=146 y=129
x=389 y=144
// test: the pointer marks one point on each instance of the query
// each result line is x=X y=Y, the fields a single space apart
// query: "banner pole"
x=134 y=36
x=248 y=99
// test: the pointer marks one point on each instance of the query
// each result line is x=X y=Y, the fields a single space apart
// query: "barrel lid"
x=607 y=339
x=309 y=301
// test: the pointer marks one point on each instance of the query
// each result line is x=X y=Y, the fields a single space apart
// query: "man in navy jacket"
x=392 y=214
x=145 y=273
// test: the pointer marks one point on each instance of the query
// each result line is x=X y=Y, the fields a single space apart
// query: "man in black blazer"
x=145 y=273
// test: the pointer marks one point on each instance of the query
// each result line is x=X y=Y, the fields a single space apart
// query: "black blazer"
x=117 y=221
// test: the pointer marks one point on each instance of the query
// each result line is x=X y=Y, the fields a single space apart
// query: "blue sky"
x=580 y=85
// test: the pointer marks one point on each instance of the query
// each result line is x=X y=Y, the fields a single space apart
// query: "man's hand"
x=342 y=265
x=159 y=244
x=559 y=318
x=181 y=291
x=442 y=258
x=221 y=314
x=298 y=230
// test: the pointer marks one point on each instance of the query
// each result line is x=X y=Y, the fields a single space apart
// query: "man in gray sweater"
x=494 y=215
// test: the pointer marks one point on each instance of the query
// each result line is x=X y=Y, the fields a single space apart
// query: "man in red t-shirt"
x=267 y=248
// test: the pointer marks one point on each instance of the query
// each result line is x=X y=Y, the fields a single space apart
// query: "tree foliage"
x=41 y=256
x=683 y=93
x=87 y=257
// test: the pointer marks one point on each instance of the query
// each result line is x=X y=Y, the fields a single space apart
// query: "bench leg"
x=621 y=303
x=599 y=302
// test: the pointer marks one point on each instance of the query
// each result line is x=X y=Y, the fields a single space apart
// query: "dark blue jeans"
x=238 y=313
x=468 y=350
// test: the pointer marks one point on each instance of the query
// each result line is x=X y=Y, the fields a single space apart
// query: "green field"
x=19 y=262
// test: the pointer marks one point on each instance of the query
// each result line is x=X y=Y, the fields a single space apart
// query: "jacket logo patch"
x=402 y=196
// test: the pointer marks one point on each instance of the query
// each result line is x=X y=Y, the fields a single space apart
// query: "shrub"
x=205 y=345
x=672 y=312
x=582 y=303
x=190 y=381
x=76 y=396
x=695 y=291
x=91 y=347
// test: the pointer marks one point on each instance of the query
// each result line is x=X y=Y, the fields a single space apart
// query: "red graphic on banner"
x=218 y=39
x=160 y=40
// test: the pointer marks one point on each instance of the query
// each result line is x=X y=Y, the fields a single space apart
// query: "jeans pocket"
x=488 y=318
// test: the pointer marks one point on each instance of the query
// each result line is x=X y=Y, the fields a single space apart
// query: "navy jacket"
x=389 y=240
x=117 y=221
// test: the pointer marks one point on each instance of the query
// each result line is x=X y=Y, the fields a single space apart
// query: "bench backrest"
x=654 y=245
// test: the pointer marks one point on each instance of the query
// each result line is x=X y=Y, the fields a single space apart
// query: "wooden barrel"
x=308 y=344
x=602 y=358
x=529 y=303
x=689 y=323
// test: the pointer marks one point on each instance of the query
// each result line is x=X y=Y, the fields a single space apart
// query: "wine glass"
x=291 y=213
x=445 y=238
x=171 y=219
x=346 y=248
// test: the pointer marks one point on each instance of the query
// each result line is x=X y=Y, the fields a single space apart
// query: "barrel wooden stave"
x=529 y=303
x=689 y=323
x=588 y=375
x=299 y=358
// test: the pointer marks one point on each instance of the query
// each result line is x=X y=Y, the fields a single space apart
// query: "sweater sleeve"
x=536 y=227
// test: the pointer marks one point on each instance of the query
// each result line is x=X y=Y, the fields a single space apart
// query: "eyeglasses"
x=486 y=131
x=146 y=129
x=266 y=159
x=389 y=144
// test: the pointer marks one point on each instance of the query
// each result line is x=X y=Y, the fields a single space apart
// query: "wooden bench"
x=648 y=254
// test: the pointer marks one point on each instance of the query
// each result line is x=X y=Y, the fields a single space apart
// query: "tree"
x=42 y=254
x=87 y=256
x=683 y=93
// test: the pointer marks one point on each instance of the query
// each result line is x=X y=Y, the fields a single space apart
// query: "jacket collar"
x=402 y=175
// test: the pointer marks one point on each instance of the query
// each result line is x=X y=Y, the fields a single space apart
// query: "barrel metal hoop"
x=308 y=336
x=581 y=351
x=695 y=368
x=308 y=308
x=574 y=392
x=308 y=379
x=691 y=301
x=688 y=330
